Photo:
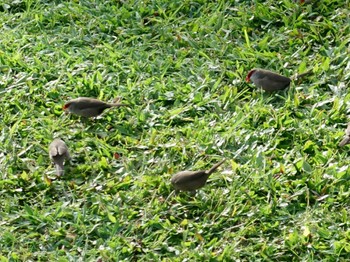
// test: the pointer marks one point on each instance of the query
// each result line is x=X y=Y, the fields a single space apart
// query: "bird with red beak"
x=267 y=80
x=305 y=1
x=88 y=107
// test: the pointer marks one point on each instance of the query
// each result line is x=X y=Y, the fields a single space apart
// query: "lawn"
x=282 y=195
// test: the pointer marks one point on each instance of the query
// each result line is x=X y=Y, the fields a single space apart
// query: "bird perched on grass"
x=346 y=138
x=270 y=81
x=267 y=80
x=58 y=152
x=305 y=1
x=88 y=107
x=192 y=180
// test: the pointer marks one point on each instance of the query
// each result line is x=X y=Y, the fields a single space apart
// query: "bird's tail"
x=211 y=170
x=346 y=140
x=59 y=169
x=116 y=103
x=298 y=76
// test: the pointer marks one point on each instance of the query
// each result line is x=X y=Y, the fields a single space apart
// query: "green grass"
x=283 y=194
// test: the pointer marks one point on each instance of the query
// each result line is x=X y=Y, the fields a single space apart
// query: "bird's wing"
x=84 y=102
x=187 y=176
x=62 y=149
x=58 y=148
x=53 y=150
x=269 y=83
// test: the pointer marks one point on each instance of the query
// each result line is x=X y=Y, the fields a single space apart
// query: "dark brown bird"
x=267 y=80
x=346 y=138
x=192 y=180
x=58 y=152
x=88 y=107
x=305 y=1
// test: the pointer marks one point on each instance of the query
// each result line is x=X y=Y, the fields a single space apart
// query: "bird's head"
x=250 y=73
x=66 y=106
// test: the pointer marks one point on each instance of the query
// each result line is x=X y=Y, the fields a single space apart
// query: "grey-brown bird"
x=192 y=180
x=58 y=152
x=346 y=138
x=267 y=80
x=304 y=1
x=88 y=107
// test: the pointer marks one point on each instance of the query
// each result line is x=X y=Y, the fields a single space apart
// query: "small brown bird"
x=346 y=138
x=192 y=180
x=88 y=107
x=267 y=80
x=58 y=152
x=305 y=1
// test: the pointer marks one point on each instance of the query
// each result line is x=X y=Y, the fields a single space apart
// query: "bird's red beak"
x=250 y=73
x=65 y=107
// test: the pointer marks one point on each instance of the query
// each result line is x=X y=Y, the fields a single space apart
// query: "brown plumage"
x=58 y=152
x=304 y=1
x=346 y=138
x=267 y=80
x=192 y=180
x=88 y=107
